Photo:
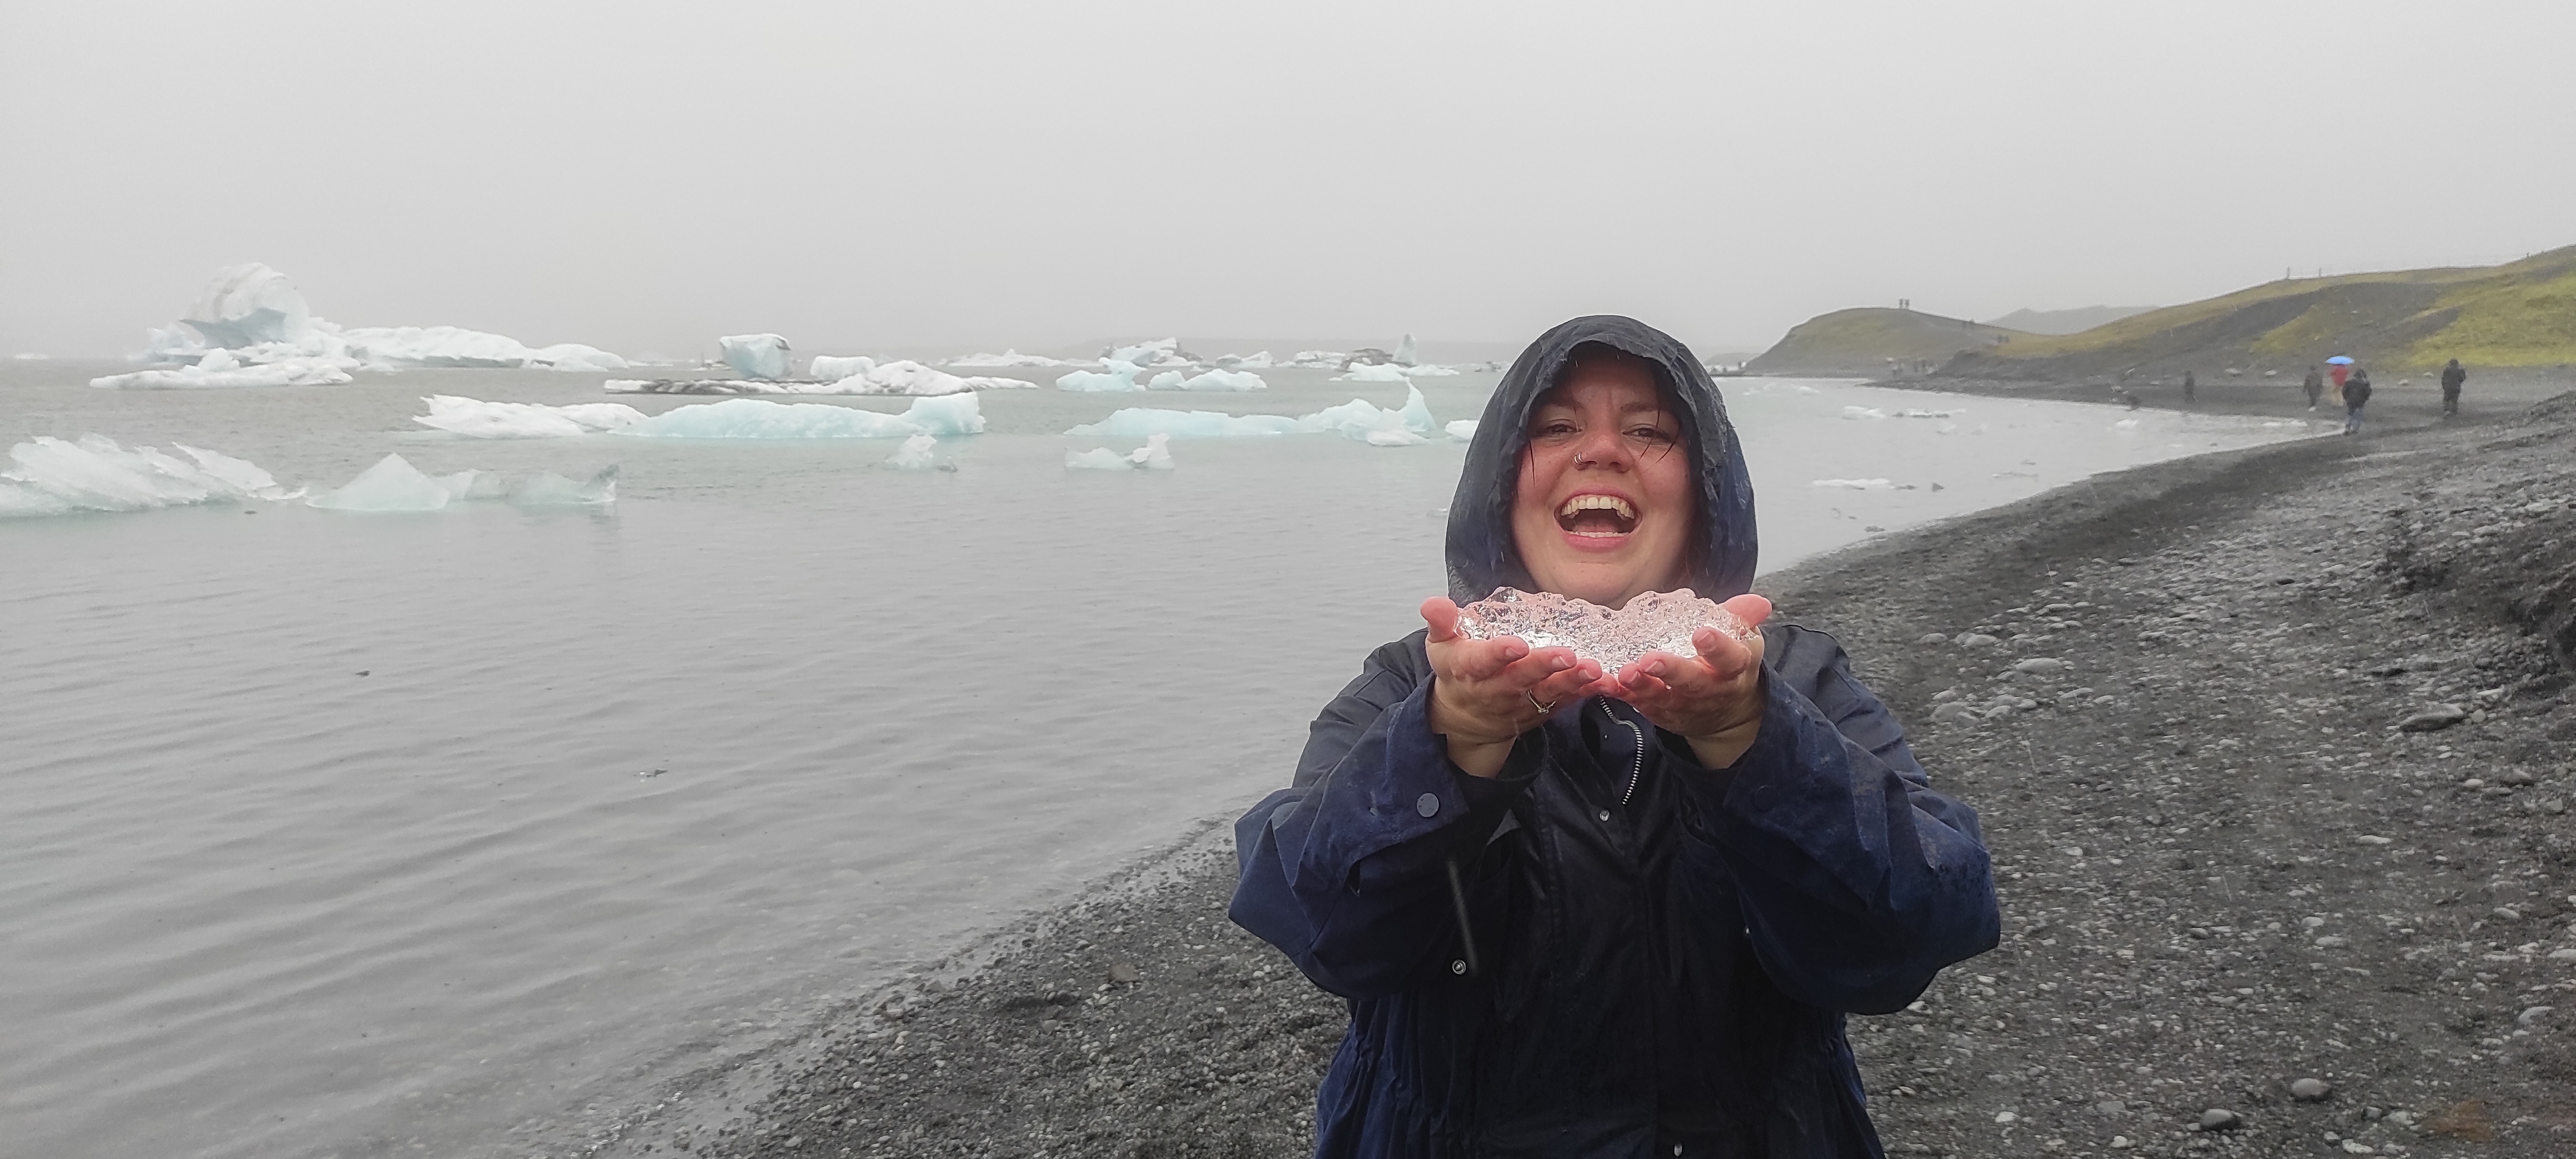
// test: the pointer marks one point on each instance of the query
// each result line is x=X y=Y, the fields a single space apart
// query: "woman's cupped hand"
x=1485 y=693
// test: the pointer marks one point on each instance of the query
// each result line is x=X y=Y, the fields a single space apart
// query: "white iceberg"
x=1255 y=361
x=48 y=476
x=1318 y=359
x=901 y=377
x=1155 y=455
x=1462 y=430
x=755 y=355
x=1854 y=484
x=261 y=318
x=1404 y=351
x=1374 y=372
x=1357 y=419
x=1120 y=376
x=914 y=455
x=905 y=376
x=829 y=368
x=1158 y=352
x=1208 y=380
x=393 y=484
x=1008 y=358
x=746 y=418
x=222 y=368
x=1863 y=412
x=476 y=418
x=547 y=489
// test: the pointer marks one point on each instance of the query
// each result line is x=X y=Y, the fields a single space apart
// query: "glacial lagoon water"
x=450 y=833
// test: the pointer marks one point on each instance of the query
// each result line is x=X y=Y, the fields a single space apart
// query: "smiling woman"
x=1580 y=912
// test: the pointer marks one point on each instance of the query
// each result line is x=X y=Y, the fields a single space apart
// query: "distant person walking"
x=2452 y=379
x=2342 y=371
x=2315 y=386
x=2190 y=388
x=2356 y=394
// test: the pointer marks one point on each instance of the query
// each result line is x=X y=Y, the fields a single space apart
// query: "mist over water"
x=446 y=832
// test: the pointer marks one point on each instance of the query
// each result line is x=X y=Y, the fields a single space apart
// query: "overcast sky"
x=645 y=176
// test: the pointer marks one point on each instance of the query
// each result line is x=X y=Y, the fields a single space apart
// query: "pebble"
x=1124 y=974
x=2530 y=1019
x=2434 y=718
x=2505 y=913
x=2006 y=1117
x=2373 y=839
x=1975 y=640
x=2515 y=777
x=1932 y=638
x=2218 y=1119
x=2112 y=1107
x=2121 y=1143
x=2041 y=666
x=2310 y=1090
x=1954 y=714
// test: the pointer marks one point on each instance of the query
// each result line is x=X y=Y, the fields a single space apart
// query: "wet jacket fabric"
x=2357 y=392
x=1609 y=950
x=2453 y=376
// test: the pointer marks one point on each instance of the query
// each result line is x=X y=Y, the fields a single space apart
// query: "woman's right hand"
x=1485 y=693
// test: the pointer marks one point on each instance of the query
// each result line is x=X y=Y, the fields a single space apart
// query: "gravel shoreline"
x=2272 y=748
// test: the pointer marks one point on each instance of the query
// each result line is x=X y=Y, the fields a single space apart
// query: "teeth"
x=1611 y=503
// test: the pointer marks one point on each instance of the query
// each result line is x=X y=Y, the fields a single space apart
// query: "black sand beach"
x=2272 y=749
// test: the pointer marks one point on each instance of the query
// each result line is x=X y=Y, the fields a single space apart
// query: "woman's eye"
x=1652 y=434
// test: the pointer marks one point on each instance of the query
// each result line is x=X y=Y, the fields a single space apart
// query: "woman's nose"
x=1601 y=448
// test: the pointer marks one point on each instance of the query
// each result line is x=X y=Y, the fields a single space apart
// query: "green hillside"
x=1873 y=341
x=2518 y=315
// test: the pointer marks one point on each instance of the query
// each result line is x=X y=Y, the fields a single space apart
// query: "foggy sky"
x=645 y=176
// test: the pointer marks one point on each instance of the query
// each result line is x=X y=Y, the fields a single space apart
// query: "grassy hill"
x=2518 y=315
x=1871 y=340
x=2074 y=321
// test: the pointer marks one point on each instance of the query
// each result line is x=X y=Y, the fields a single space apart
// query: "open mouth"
x=1597 y=516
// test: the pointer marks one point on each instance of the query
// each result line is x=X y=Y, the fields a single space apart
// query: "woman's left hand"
x=1713 y=699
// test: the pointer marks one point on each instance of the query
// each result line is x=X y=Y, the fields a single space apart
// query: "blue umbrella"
x=2339 y=360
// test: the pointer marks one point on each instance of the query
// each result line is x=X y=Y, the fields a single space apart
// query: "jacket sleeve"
x=1348 y=869
x=1857 y=881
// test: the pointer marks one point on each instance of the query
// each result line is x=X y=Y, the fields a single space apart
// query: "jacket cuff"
x=1769 y=772
x=1419 y=791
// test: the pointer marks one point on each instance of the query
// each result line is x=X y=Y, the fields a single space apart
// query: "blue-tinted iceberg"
x=755 y=355
x=48 y=476
x=393 y=485
x=1374 y=372
x=476 y=418
x=1155 y=455
x=1119 y=376
x=223 y=368
x=1157 y=352
x=914 y=455
x=259 y=316
x=1208 y=380
x=745 y=418
x=1357 y=419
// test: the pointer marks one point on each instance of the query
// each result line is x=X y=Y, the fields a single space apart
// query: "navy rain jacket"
x=1609 y=950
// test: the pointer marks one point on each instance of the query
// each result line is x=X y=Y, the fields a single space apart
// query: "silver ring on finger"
x=1544 y=709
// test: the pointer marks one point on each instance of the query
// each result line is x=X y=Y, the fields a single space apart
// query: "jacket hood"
x=1481 y=553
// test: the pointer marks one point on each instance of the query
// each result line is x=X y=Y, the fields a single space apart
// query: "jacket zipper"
x=1637 y=767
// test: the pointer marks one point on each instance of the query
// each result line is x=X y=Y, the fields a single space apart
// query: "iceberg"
x=1462 y=430
x=394 y=485
x=1155 y=455
x=1158 y=352
x=1854 y=484
x=1007 y=358
x=1119 y=376
x=262 y=319
x=1208 y=380
x=1404 y=351
x=1863 y=412
x=1373 y=372
x=828 y=368
x=901 y=377
x=755 y=355
x=914 y=455
x=222 y=368
x=905 y=376
x=475 y=418
x=745 y=418
x=1258 y=361
x=48 y=476
x=1318 y=359
x=1357 y=419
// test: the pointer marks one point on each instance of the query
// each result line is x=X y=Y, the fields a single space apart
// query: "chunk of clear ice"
x=1613 y=638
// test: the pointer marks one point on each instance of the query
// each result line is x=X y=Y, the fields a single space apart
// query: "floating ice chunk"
x=914 y=455
x=1373 y=372
x=1431 y=370
x=221 y=368
x=1158 y=352
x=1651 y=622
x=1007 y=358
x=1463 y=430
x=899 y=378
x=393 y=484
x=1209 y=380
x=1139 y=422
x=1120 y=375
x=1256 y=361
x=1318 y=359
x=1096 y=459
x=548 y=489
x=476 y=418
x=1404 y=351
x=1863 y=412
x=1155 y=455
x=745 y=418
x=249 y=304
x=1920 y=413
x=755 y=355
x=830 y=368
x=1854 y=484
x=2125 y=425
x=1417 y=413
x=1363 y=420
x=48 y=476
x=575 y=356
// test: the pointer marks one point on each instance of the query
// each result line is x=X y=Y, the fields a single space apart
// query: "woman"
x=1607 y=914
